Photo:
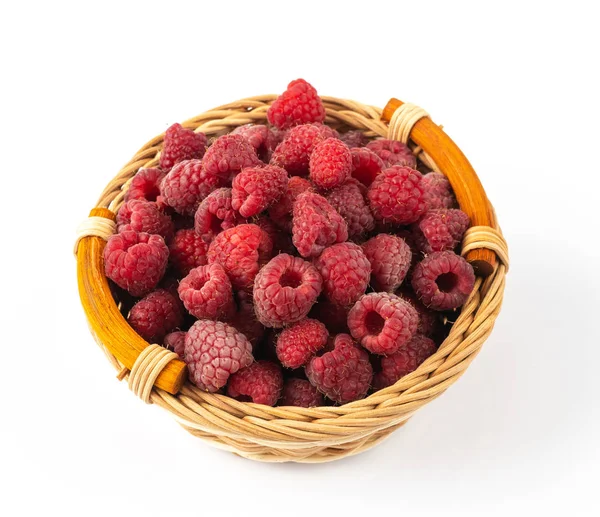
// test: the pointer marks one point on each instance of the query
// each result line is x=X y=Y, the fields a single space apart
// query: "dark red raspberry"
x=136 y=261
x=333 y=315
x=440 y=229
x=300 y=393
x=186 y=185
x=182 y=222
x=285 y=290
x=346 y=271
x=354 y=138
x=261 y=383
x=316 y=225
x=397 y=195
x=206 y=293
x=293 y=153
x=299 y=342
x=350 y=203
x=390 y=259
x=215 y=214
x=443 y=280
x=245 y=319
x=282 y=241
x=188 y=251
x=144 y=216
x=281 y=211
x=155 y=315
x=227 y=156
x=343 y=374
x=213 y=351
x=438 y=191
x=393 y=152
x=181 y=144
x=255 y=188
x=241 y=250
x=407 y=359
x=366 y=165
x=260 y=137
x=145 y=185
x=429 y=321
x=299 y=104
x=175 y=341
x=330 y=163
x=382 y=322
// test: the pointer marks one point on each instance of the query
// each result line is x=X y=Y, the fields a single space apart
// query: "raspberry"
x=186 y=185
x=333 y=315
x=181 y=144
x=215 y=214
x=188 y=251
x=227 y=156
x=300 y=393
x=285 y=290
x=440 y=229
x=135 y=261
x=316 y=224
x=245 y=319
x=343 y=374
x=241 y=250
x=254 y=189
x=299 y=342
x=260 y=137
x=175 y=341
x=299 y=104
x=354 y=138
x=407 y=359
x=428 y=319
x=155 y=315
x=345 y=270
x=438 y=191
x=350 y=203
x=145 y=185
x=443 y=280
x=366 y=165
x=293 y=153
x=206 y=293
x=330 y=163
x=382 y=322
x=144 y=216
x=281 y=211
x=397 y=195
x=390 y=259
x=261 y=383
x=393 y=152
x=213 y=351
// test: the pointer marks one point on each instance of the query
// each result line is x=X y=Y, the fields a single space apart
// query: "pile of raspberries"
x=290 y=263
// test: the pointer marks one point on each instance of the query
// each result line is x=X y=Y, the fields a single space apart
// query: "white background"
x=85 y=85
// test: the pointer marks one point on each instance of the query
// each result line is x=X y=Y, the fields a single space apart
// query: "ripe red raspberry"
x=260 y=137
x=135 y=261
x=181 y=144
x=390 y=259
x=206 y=293
x=144 y=216
x=350 y=203
x=393 y=152
x=175 y=341
x=261 y=383
x=300 y=393
x=254 y=189
x=241 y=250
x=213 y=351
x=285 y=290
x=155 y=315
x=330 y=163
x=299 y=104
x=343 y=374
x=346 y=271
x=407 y=359
x=293 y=153
x=366 y=165
x=187 y=250
x=281 y=211
x=333 y=315
x=316 y=225
x=299 y=342
x=429 y=321
x=440 y=229
x=282 y=241
x=382 y=322
x=215 y=214
x=397 y=195
x=354 y=138
x=186 y=185
x=438 y=191
x=145 y=185
x=227 y=156
x=443 y=280
x=245 y=319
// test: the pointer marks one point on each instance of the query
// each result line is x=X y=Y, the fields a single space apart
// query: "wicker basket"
x=291 y=433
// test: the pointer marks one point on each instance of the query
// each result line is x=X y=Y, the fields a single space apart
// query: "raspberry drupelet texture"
x=382 y=322
x=261 y=383
x=316 y=225
x=175 y=341
x=213 y=352
x=281 y=211
x=260 y=137
x=215 y=214
x=440 y=229
x=300 y=393
x=136 y=261
x=330 y=163
x=299 y=104
x=333 y=315
x=245 y=319
x=255 y=188
x=349 y=202
x=285 y=290
x=354 y=138
x=429 y=321
x=206 y=293
x=343 y=374
x=181 y=144
x=145 y=185
x=438 y=191
x=144 y=216
x=155 y=315
x=397 y=195
x=242 y=251
x=282 y=241
x=393 y=152
x=366 y=165
x=443 y=280
x=346 y=271
x=299 y=342
x=390 y=259
x=187 y=251
x=227 y=156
